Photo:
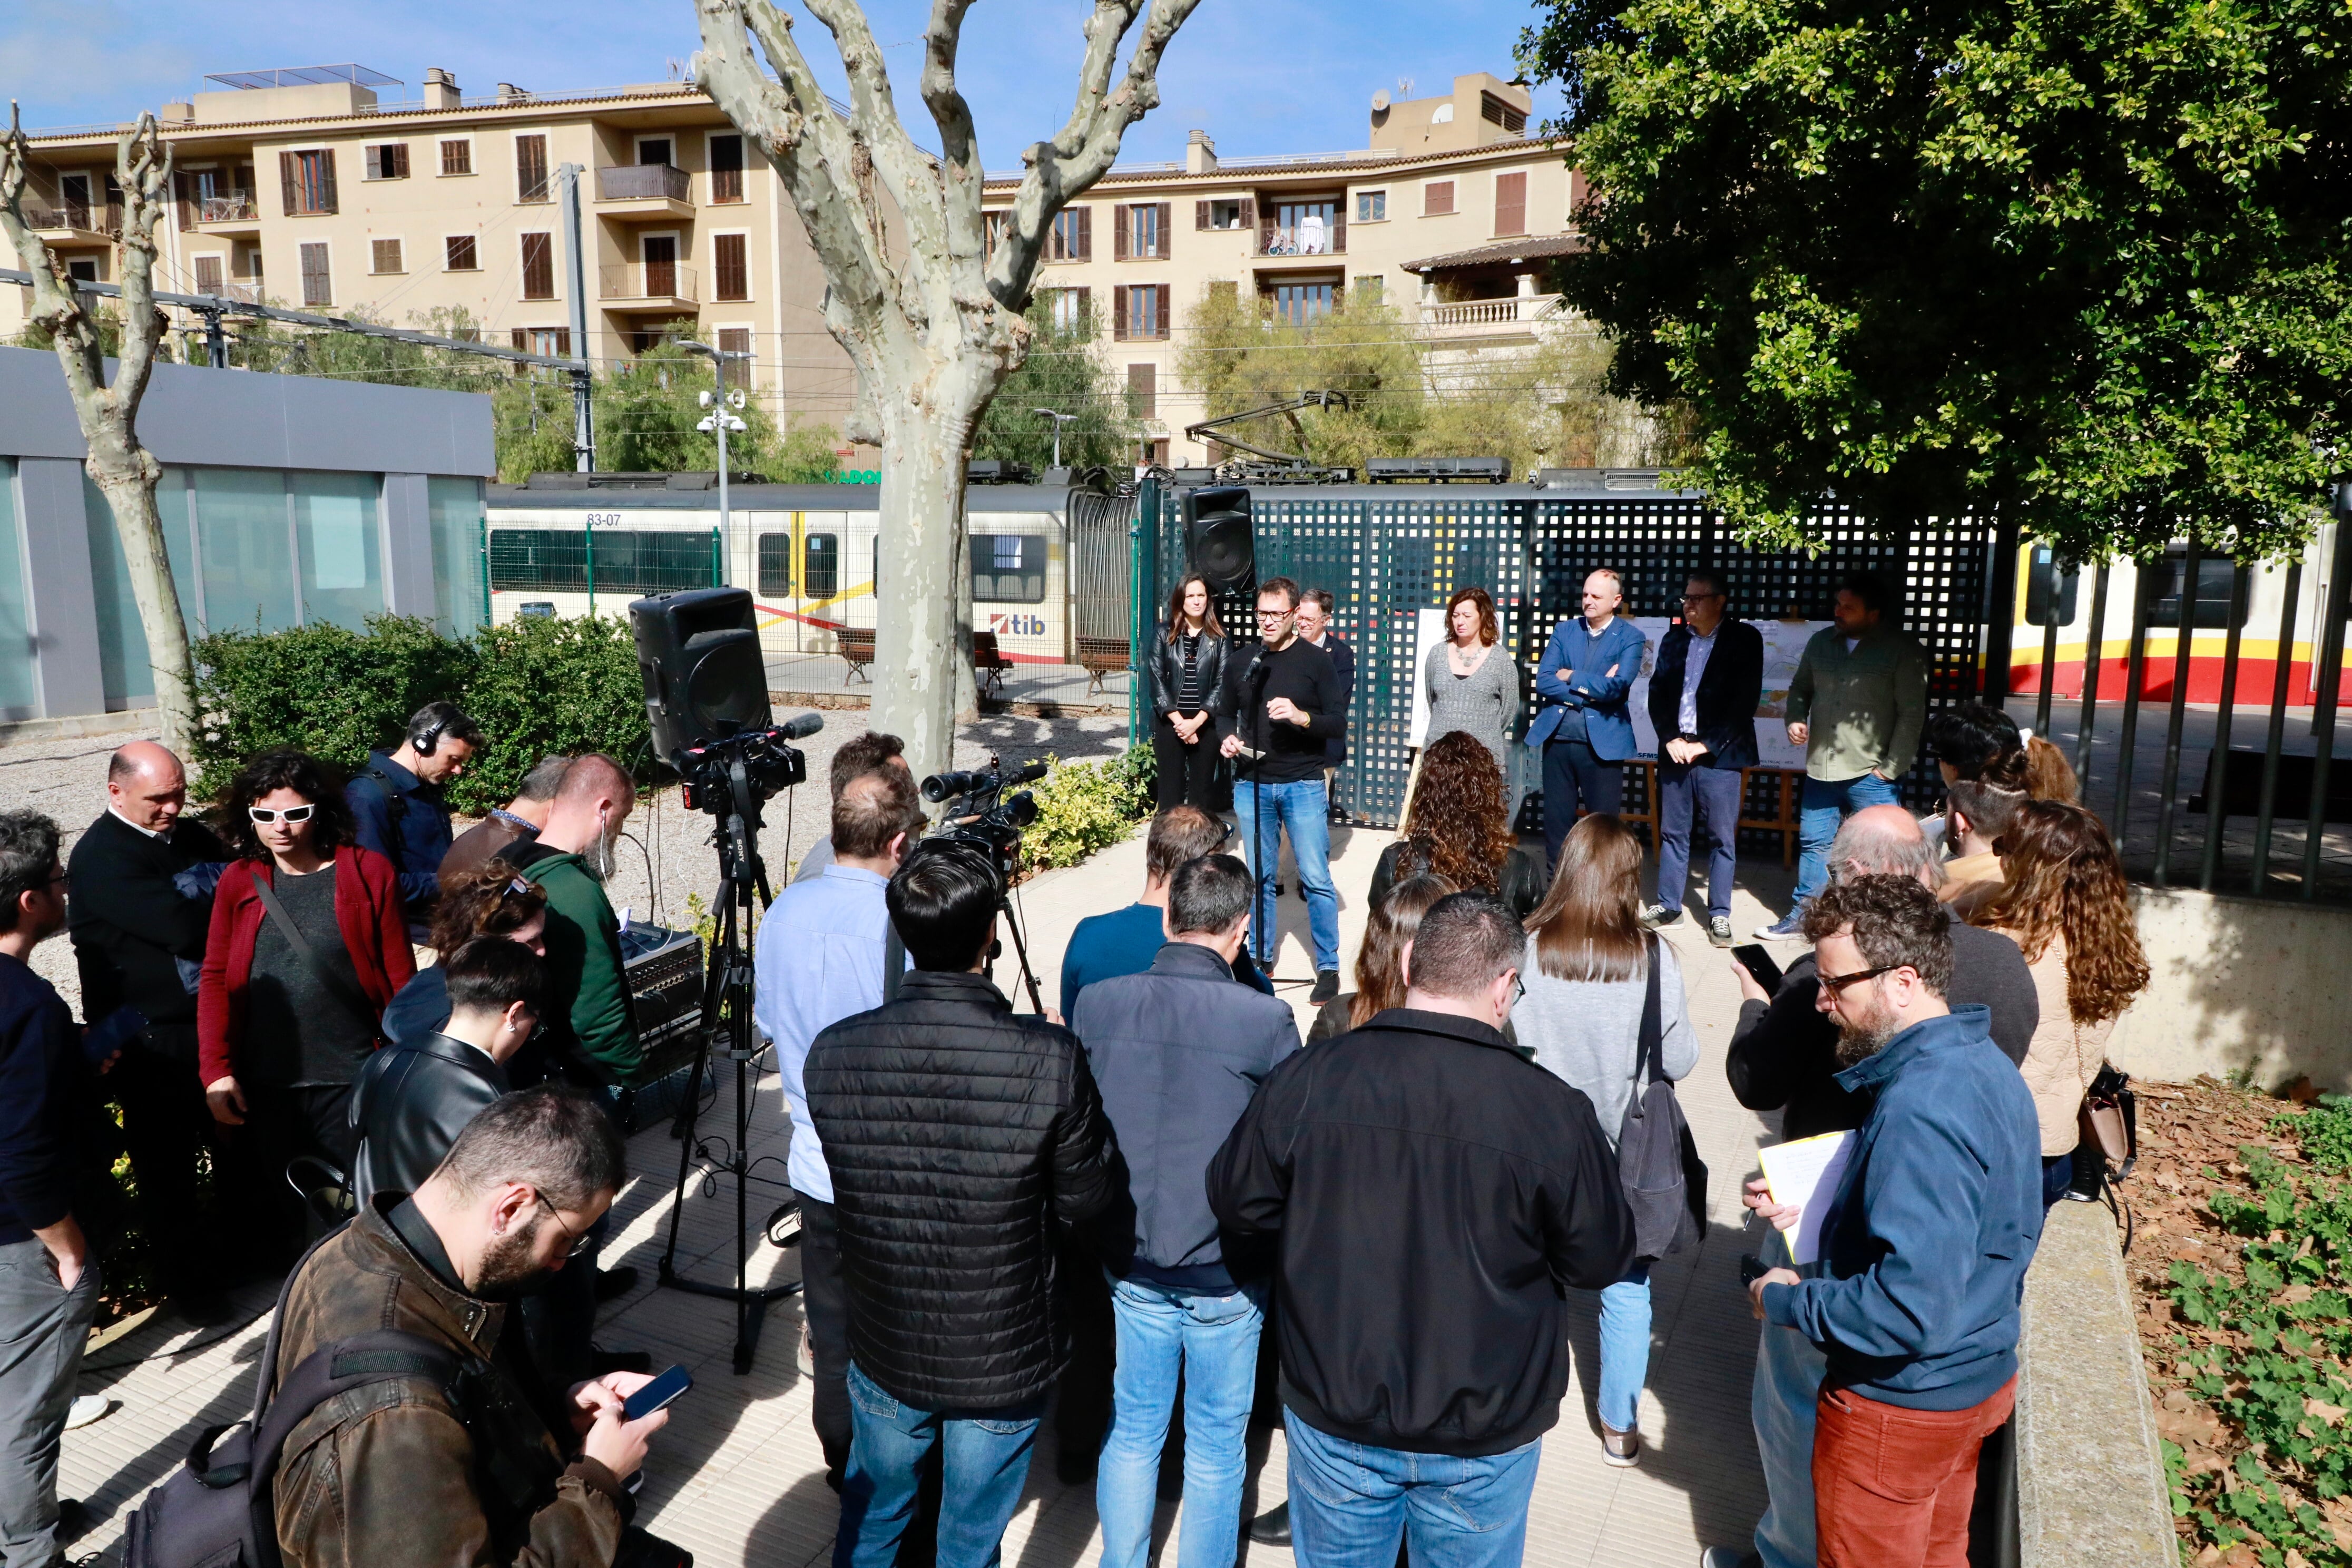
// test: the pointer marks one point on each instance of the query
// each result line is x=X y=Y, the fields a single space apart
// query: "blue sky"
x=1261 y=76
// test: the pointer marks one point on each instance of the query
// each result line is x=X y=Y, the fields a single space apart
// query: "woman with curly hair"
x=1459 y=828
x=2063 y=902
x=308 y=943
x=484 y=899
x=1379 y=961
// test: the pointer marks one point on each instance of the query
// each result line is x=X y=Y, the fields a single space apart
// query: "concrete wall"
x=2251 y=986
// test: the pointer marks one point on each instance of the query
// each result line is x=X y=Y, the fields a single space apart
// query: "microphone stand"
x=1254 y=682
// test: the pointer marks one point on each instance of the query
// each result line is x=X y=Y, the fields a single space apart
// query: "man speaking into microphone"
x=1276 y=707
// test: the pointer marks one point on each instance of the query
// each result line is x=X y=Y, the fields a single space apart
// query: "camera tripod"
x=727 y=1026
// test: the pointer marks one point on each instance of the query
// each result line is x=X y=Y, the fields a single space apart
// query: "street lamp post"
x=1059 y=420
x=721 y=417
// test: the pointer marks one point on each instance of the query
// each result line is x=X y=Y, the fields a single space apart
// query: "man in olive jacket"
x=392 y=1474
x=591 y=1035
x=957 y=1135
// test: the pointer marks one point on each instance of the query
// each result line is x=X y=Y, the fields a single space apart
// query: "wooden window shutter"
x=1159 y=316
x=1200 y=215
x=1339 y=227
x=563 y=342
x=375 y=160
x=538 y=267
x=1118 y=315
x=1086 y=303
x=400 y=160
x=522 y=343
x=1249 y=212
x=1167 y=227
x=208 y=274
x=1122 y=220
x=384 y=256
x=290 y=174
x=327 y=179
x=728 y=262
x=1437 y=198
x=1086 y=234
x=1511 y=202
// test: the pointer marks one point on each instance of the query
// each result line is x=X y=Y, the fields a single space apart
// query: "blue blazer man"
x=1582 y=727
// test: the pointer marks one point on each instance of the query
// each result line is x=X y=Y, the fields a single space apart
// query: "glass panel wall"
x=457 y=514
x=20 y=695
x=122 y=664
x=248 y=571
x=337 y=532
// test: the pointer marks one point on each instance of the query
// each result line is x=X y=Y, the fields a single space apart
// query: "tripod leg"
x=682 y=1124
x=1020 y=951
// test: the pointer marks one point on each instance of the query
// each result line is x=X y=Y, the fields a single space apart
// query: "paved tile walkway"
x=736 y=1476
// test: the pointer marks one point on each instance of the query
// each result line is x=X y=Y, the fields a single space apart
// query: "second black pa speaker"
x=699 y=652
x=1218 y=539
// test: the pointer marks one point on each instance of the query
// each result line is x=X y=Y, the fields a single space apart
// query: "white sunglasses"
x=291 y=813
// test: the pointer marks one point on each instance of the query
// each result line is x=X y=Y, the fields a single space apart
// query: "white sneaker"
x=85 y=1409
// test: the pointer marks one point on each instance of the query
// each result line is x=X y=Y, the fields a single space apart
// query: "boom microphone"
x=808 y=724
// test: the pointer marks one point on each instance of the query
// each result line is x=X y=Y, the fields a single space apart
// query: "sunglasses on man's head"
x=290 y=814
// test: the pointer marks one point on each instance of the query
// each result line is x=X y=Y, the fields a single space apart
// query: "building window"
x=1371 y=206
x=1074 y=236
x=1240 y=212
x=735 y=340
x=384 y=256
x=1298 y=304
x=730 y=267
x=1511 y=204
x=88 y=270
x=654 y=150
x=1305 y=228
x=1495 y=111
x=1368 y=288
x=1008 y=568
x=821 y=566
x=1143 y=392
x=388 y=160
x=208 y=274
x=458 y=255
x=1139 y=310
x=1073 y=309
x=727 y=168
x=531 y=168
x=318 y=284
x=458 y=157
x=1142 y=232
x=539 y=267
x=1226 y=293
x=776 y=564
x=307 y=179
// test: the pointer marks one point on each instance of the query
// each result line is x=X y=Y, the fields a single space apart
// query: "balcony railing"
x=1506 y=312
x=647 y=280
x=1301 y=240
x=43 y=215
x=642 y=182
x=226 y=206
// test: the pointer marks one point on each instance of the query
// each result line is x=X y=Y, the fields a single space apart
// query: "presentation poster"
x=1429 y=630
x=1784 y=644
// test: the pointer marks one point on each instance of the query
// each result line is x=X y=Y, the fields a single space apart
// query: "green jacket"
x=589 y=1024
x=1866 y=708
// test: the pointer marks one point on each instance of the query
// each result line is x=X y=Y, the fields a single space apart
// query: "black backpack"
x=219 y=1510
x=1657 y=1158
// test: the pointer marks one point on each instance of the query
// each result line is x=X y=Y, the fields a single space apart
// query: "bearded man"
x=1926 y=1241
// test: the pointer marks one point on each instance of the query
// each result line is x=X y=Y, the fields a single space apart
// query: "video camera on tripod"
x=981 y=812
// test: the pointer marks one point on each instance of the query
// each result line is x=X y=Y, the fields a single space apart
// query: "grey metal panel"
x=407 y=546
x=65 y=610
x=193 y=414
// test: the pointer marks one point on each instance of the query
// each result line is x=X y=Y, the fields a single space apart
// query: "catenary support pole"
x=583 y=422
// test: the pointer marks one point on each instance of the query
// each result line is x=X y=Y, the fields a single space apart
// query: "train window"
x=1008 y=568
x=2041 y=572
x=2160 y=581
x=821 y=566
x=776 y=564
x=539 y=559
x=621 y=561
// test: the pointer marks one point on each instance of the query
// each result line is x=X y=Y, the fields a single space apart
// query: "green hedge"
x=1083 y=807
x=535 y=686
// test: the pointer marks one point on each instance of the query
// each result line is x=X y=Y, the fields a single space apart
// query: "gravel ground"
x=665 y=853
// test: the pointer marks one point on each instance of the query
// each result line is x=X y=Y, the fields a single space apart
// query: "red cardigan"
x=375 y=932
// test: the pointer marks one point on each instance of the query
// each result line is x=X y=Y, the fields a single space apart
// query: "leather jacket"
x=388 y=1475
x=1165 y=667
x=408 y=1106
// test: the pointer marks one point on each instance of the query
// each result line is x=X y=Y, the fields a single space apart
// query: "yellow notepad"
x=1806 y=1174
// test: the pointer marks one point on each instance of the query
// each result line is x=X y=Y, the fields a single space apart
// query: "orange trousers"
x=1893 y=1487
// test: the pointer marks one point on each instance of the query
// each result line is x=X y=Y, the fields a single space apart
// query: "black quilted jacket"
x=957 y=1134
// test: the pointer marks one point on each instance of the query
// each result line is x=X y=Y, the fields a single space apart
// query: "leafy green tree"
x=2070 y=258
x=1066 y=372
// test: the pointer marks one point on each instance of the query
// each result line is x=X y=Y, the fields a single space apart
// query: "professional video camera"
x=982 y=813
x=707 y=773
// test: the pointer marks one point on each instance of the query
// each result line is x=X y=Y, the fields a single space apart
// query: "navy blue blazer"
x=1728 y=688
x=1607 y=719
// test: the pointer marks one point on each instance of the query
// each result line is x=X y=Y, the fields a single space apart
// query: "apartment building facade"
x=1447 y=213
x=314 y=190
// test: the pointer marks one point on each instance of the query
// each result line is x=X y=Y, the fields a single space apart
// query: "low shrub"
x=549 y=684
x=1083 y=807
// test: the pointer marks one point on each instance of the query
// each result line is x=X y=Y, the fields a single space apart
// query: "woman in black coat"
x=1187 y=666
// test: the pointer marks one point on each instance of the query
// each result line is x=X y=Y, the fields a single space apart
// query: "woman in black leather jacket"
x=1186 y=668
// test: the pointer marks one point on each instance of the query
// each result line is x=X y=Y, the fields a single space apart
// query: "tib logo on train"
x=1016 y=624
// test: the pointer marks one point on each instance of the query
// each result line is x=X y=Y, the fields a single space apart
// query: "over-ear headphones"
x=424 y=730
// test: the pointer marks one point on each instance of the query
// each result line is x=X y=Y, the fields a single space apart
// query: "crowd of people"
x=1156 y=1193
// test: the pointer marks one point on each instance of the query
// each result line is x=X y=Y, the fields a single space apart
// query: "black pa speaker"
x=1218 y=540
x=699 y=652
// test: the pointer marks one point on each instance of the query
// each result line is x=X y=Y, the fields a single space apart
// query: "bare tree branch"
x=142 y=165
x=963 y=172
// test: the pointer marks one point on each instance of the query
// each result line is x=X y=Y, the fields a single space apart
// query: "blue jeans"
x=983 y=1462
x=1825 y=806
x=1301 y=810
x=1349 y=1502
x=1789 y=1373
x=1624 y=1347
x=1214 y=1340
x=1716 y=792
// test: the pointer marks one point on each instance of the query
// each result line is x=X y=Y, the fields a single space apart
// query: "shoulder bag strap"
x=1647 y=1058
x=327 y=977
x=395 y=805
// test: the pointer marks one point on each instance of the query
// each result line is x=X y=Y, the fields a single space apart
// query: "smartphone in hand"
x=657 y=1393
x=1759 y=963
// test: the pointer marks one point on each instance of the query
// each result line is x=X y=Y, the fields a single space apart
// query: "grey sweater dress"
x=1586 y=1032
x=1484 y=704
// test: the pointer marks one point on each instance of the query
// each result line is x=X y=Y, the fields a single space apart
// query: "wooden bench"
x=856 y=645
x=1783 y=821
x=1101 y=656
x=988 y=664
